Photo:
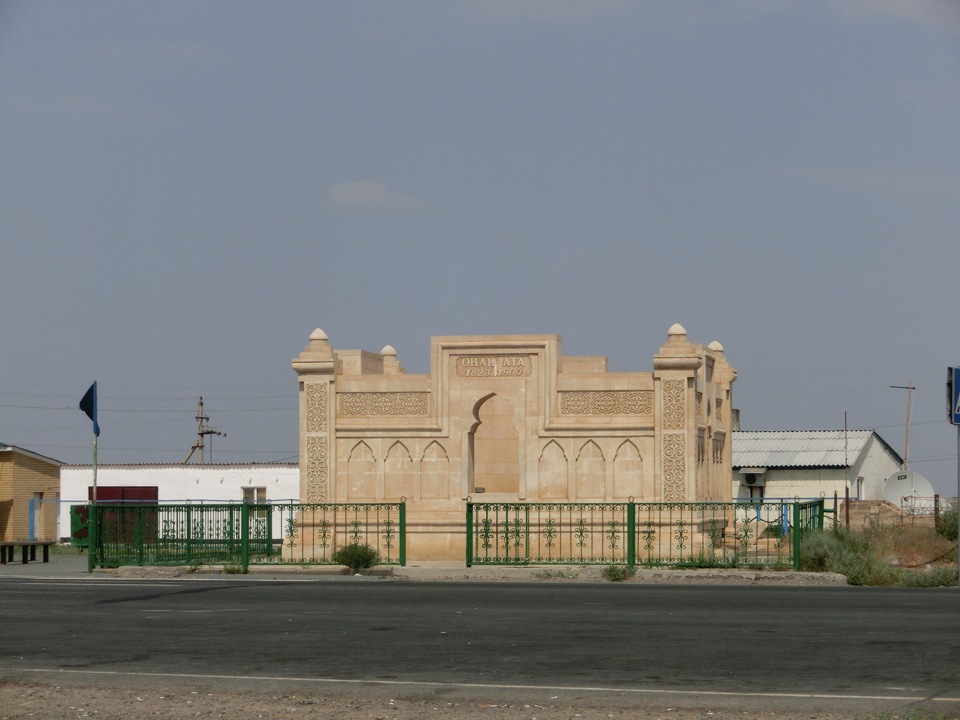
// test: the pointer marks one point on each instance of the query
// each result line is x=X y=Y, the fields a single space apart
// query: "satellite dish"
x=906 y=483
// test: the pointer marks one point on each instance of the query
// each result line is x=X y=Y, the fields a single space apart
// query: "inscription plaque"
x=477 y=366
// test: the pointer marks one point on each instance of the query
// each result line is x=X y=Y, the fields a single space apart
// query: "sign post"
x=953 y=412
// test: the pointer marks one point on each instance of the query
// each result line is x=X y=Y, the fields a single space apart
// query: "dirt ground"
x=49 y=702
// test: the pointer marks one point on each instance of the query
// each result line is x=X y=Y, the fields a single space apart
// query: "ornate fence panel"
x=547 y=533
x=709 y=534
x=312 y=532
x=242 y=534
x=807 y=517
x=705 y=534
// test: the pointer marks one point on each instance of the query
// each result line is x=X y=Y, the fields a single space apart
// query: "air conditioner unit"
x=753 y=479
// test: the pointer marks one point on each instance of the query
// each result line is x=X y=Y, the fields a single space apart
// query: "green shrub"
x=858 y=557
x=618 y=573
x=937 y=577
x=703 y=560
x=774 y=530
x=947 y=524
x=357 y=557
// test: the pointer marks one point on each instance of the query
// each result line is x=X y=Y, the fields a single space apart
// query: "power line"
x=102 y=409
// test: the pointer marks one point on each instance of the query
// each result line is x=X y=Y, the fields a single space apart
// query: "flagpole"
x=95 y=438
x=88 y=403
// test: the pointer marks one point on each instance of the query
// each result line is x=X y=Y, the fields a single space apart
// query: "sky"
x=189 y=188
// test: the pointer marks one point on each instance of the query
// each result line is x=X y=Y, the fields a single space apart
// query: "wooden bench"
x=7 y=548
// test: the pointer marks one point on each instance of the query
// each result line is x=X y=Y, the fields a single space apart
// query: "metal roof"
x=801 y=448
x=23 y=451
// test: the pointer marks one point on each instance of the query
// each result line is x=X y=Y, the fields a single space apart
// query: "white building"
x=811 y=463
x=260 y=482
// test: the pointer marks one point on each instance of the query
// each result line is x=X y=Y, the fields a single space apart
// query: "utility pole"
x=906 y=441
x=202 y=431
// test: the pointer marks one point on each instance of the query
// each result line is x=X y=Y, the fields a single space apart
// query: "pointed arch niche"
x=398 y=475
x=628 y=472
x=435 y=473
x=591 y=471
x=553 y=472
x=361 y=473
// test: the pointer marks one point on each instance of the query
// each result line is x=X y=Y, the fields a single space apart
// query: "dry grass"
x=913 y=547
x=911 y=556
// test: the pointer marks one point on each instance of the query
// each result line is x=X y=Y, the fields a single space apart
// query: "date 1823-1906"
x=493 y=366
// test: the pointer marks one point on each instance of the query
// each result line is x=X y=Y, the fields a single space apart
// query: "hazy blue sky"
x=188 y=189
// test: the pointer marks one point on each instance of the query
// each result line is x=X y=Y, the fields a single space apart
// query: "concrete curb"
x=69 y=566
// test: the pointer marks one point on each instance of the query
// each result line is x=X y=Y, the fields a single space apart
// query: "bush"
x=357 y=557
x=947 y=524
x=859 y=557
x=937 y=577
x=618 y=573
x=774 y=530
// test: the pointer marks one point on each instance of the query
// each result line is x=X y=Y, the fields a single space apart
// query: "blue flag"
x=89 y=405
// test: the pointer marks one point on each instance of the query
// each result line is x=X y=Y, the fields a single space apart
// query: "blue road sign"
x=954 y=397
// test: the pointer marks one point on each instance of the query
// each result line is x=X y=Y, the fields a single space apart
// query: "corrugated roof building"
x=811 y=463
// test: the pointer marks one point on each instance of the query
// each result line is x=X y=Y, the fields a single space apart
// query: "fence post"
x=469 y=534
x=270 y=530
x=244 y=535
x=526 y=533
x=797 y=532
x=846 y=507
x=139 y=534
x=631 y=534
x=91 y=537
x=232 y=533
x=403 y=534
x=189 y=516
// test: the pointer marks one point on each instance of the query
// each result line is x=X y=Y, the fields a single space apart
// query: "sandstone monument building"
x=508 y=418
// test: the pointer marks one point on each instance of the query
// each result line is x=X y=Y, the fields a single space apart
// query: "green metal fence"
x=242 y=534
x=704 y=534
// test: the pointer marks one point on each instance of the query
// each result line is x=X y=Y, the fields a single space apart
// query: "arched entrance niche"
x=494 y=443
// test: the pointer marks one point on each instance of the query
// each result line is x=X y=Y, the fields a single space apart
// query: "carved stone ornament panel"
x=606 y=403
x=316 y=407
x=674 y=467
x=674 y=407
x=318 y=469
x=382 y=403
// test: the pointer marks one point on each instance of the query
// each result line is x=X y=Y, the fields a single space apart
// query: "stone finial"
x=319 y=344
x=677 y=339
x=391 y=365
x=317 y=356
x=723 y=372
x=677 y=353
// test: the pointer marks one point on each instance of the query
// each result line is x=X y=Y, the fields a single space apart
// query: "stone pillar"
x=674 y=373
x=723 y=377
x=316 y=369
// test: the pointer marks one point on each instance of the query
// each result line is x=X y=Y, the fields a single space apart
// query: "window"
x=254 y=494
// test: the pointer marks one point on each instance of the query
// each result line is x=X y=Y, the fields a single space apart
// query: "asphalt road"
x=810 y=648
